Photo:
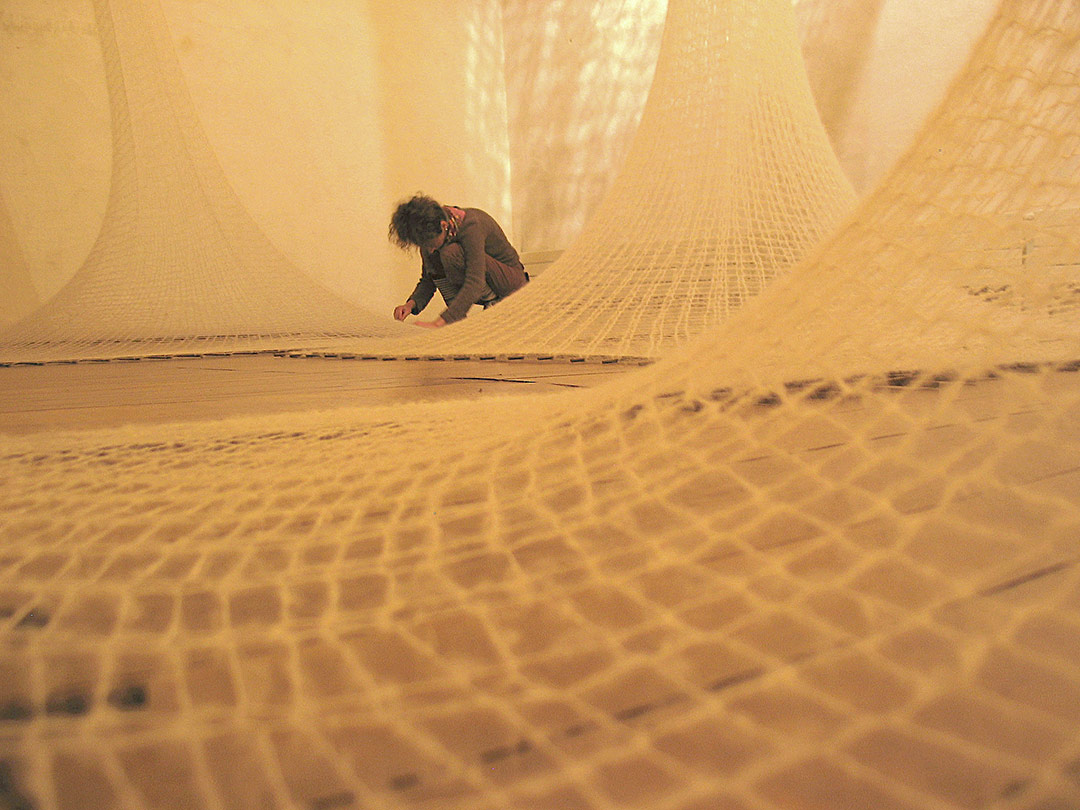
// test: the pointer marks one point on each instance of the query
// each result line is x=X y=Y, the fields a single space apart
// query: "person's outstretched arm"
x=421 y=295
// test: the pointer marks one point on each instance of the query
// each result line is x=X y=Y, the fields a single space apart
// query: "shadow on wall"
x=576 y=86
x=878 y=68
x=441 y=101
x=837 y=37
x=443 y=104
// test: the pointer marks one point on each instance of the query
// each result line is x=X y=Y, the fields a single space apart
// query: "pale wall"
x=322 y=115
x=917 y=48
x=577 y=77
x=55 y=148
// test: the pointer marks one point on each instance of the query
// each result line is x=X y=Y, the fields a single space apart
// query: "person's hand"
x=403 y=311
x=438 y=323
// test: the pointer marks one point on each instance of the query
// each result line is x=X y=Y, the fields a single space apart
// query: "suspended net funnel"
x=826 y=555
x=17 y=293
x=729 y=181
x=179 y=265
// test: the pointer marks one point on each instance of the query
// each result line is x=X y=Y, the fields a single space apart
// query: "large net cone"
x=178 y=264
x=827 y=555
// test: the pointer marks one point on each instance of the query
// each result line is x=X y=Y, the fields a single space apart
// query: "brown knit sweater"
x=479 y=235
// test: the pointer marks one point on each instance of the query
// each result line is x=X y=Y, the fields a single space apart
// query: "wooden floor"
x=78 y=396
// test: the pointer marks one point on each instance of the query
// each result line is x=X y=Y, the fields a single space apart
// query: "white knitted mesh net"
x=823 y=555
x=695 y=224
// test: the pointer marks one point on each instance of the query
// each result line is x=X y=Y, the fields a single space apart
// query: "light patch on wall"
x=577 y=79
x=485 y=137
x=286 y=101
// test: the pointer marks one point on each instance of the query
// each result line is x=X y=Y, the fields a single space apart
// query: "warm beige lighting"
x=823 y=552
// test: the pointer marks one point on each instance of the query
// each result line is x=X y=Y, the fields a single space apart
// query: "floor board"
x=78 y=396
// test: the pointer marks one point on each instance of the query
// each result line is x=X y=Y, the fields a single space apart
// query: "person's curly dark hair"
x=416 y=222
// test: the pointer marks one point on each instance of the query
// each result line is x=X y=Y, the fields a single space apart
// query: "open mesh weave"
x=823 y=555
x=179 y=264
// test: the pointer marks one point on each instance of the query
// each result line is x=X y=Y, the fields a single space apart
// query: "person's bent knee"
x=504 y=279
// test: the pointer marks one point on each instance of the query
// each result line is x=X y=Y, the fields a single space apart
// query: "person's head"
x=419 y=222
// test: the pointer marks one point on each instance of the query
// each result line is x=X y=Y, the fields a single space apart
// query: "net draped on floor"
x=824 y=554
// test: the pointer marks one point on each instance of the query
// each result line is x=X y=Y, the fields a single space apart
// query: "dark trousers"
x=501 y=279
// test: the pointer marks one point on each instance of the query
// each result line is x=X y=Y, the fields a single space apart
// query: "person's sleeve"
x=421 y=294
x=472 y=243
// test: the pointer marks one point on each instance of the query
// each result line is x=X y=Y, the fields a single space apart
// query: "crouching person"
x=464 y=255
